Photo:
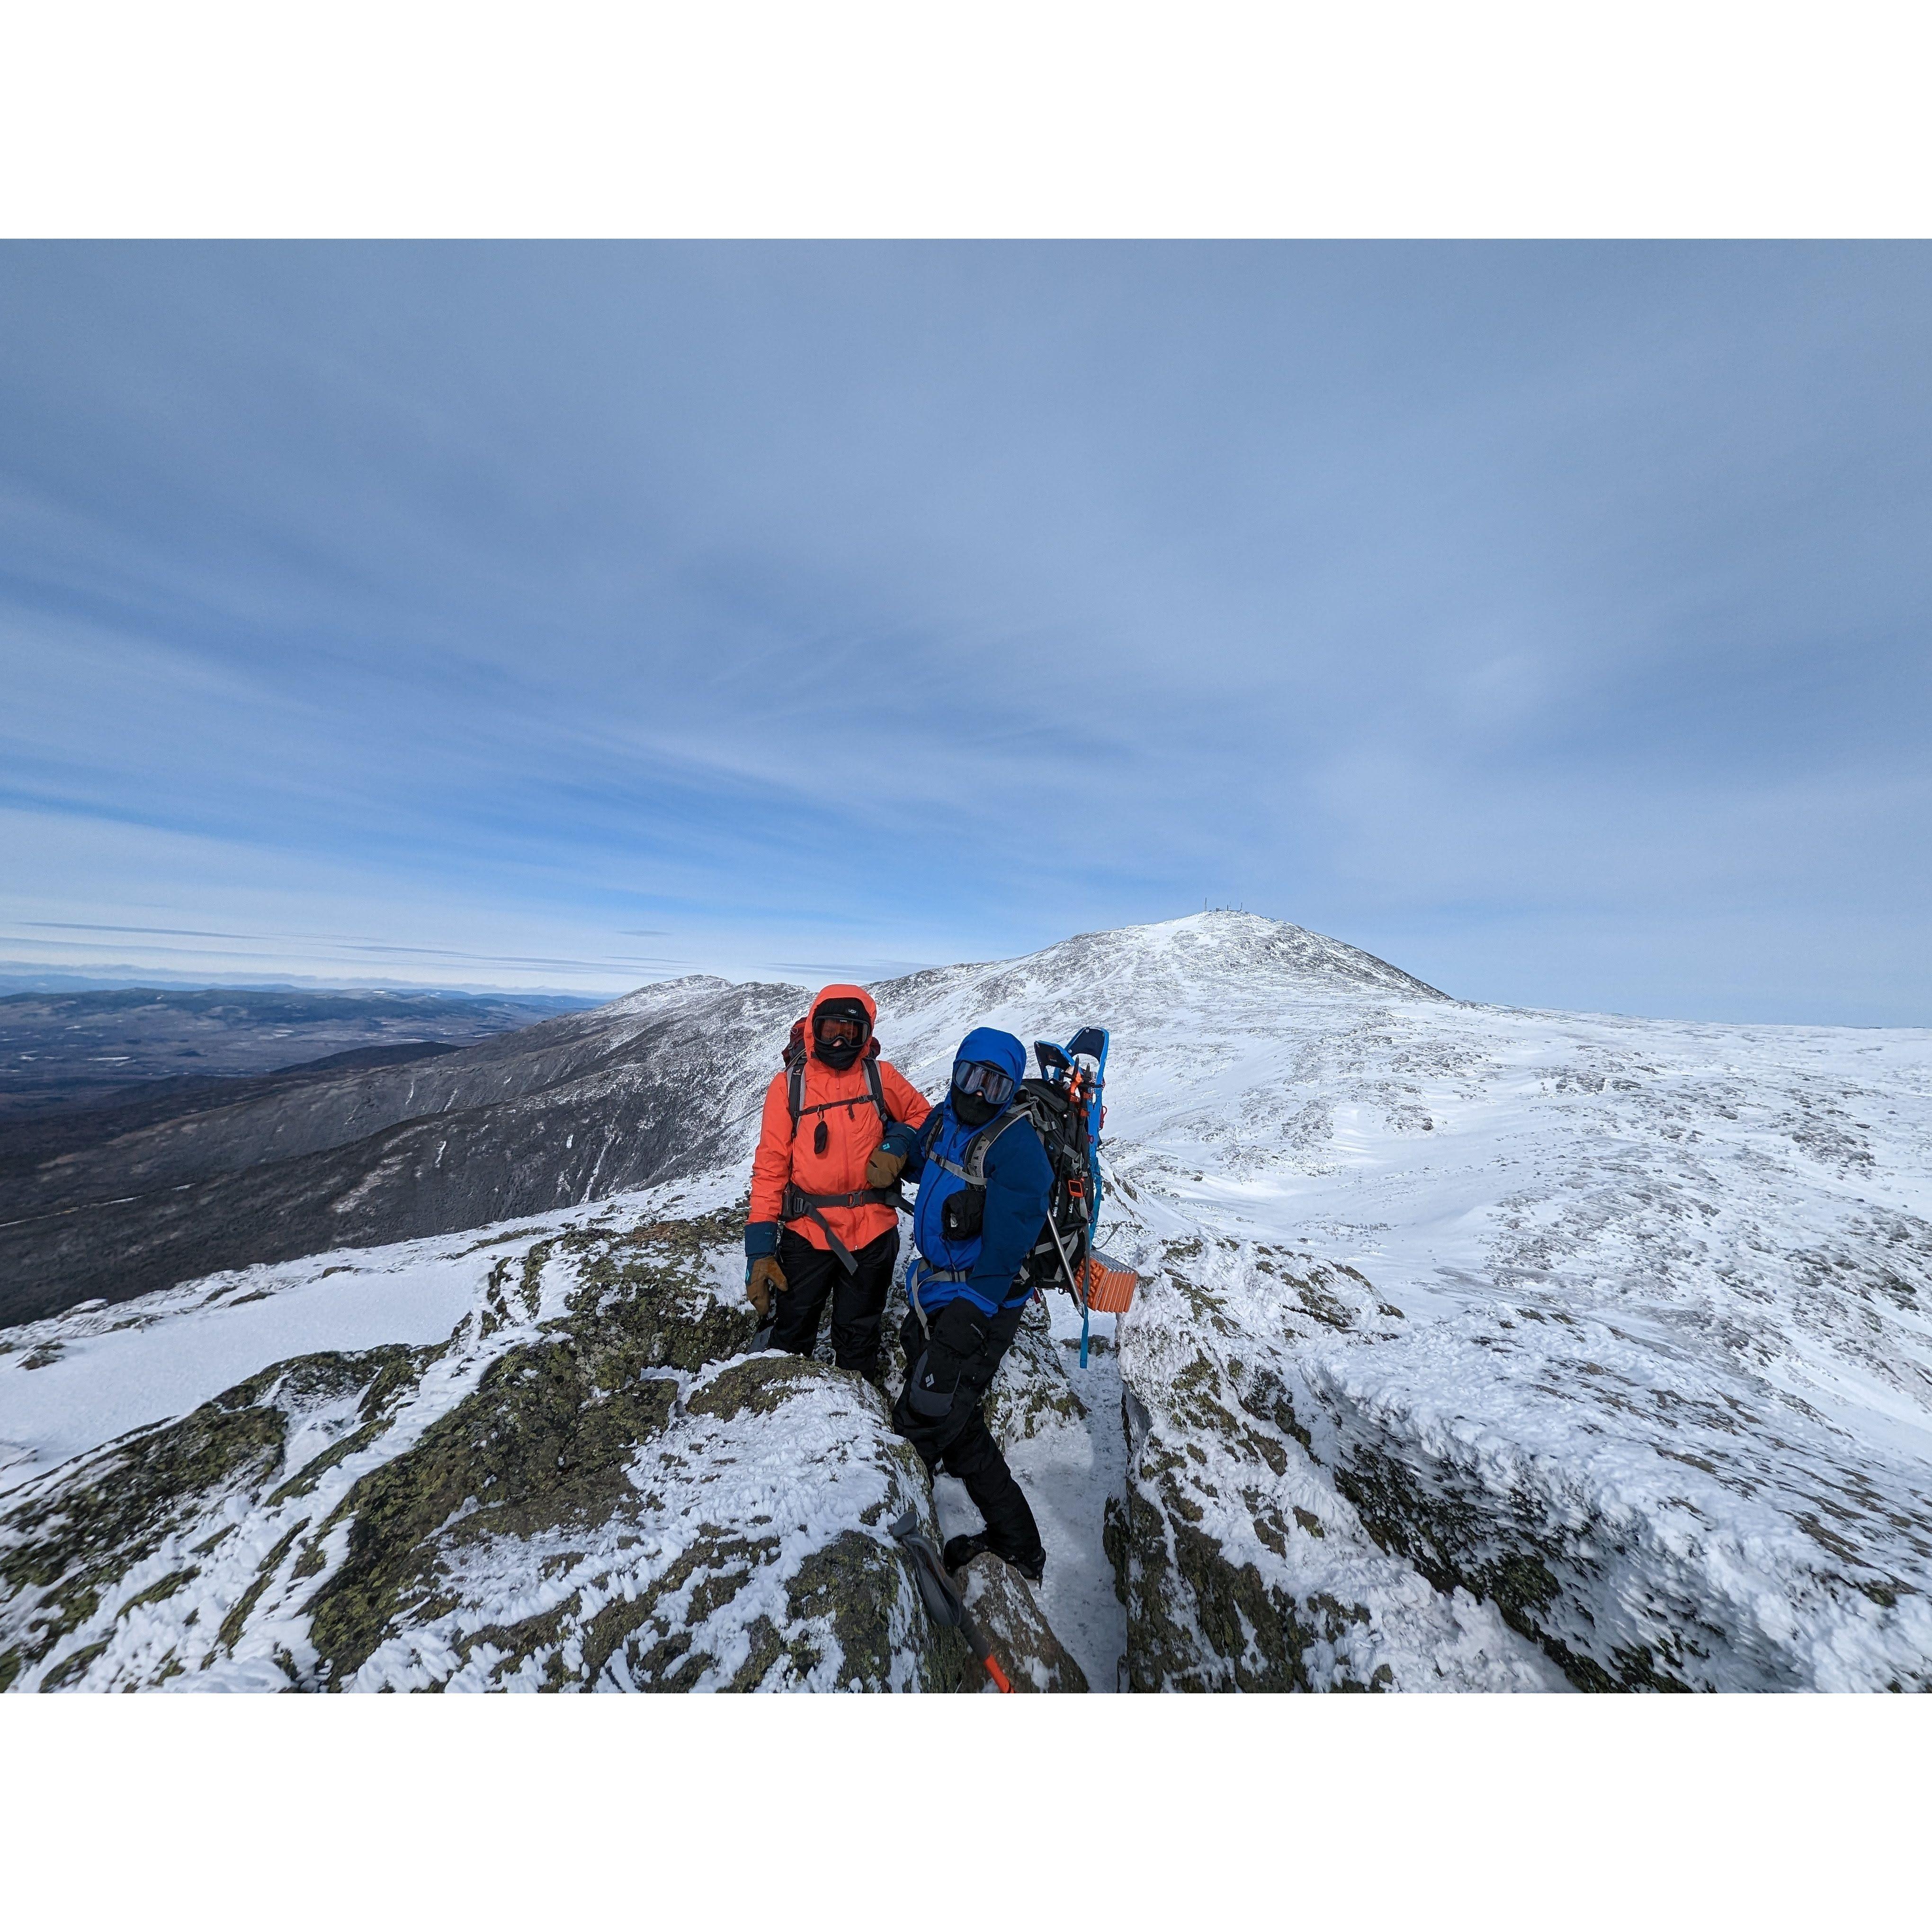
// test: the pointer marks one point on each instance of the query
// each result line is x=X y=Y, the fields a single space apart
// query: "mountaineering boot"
x=960 y=1550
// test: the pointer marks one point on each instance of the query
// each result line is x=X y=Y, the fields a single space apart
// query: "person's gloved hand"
x=932 y=1382
x=958 y=1334
x=884 y=1167
x=763 y=1279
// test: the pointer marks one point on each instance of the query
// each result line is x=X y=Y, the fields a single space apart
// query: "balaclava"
x=840 y=1054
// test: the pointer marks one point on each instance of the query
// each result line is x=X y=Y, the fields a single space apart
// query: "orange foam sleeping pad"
x=1110 y=1285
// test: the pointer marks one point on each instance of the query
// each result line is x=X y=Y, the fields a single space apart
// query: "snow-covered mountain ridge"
x=554 y=1114
x=1478 y=1348
x=1660 y=1379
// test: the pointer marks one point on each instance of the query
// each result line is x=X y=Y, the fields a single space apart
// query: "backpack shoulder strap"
x=973 y=1160
x=795 y=1088
x=875 y=1092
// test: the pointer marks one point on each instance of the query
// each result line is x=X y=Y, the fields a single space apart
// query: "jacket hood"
x=996 y=1049
x=858 y=993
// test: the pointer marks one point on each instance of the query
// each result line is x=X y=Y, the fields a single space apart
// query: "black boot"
x=960 y=1550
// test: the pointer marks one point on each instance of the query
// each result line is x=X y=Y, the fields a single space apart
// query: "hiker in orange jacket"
x=839 y=1123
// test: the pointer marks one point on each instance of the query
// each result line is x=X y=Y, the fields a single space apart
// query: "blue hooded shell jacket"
x=1019 y=1185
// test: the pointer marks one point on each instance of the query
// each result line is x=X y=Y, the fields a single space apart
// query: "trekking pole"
x=943 y=1602
x=1077 y=1289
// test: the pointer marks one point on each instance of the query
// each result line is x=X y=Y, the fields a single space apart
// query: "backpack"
x=1061 y=1248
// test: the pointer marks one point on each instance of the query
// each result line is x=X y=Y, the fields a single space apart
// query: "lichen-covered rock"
x=588 y=1486
x=1315 y=1502
x=1003 y=1604
x=748 y=1552
x=116 y=1564
x=1241 y=1567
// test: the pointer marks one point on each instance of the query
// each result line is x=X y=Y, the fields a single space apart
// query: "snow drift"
x=1478 y=1348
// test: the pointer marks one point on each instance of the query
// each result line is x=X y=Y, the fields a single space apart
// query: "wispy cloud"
x=940 y=600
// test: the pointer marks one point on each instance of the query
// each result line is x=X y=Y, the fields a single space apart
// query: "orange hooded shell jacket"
x=852 y=1132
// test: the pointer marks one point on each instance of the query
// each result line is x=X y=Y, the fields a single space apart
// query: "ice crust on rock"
x=1478 y=1348
x=589 y=1484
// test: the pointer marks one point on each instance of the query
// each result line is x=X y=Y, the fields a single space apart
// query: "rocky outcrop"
x=1003 y=1604
x=1309 y=1506
x=1241 y=1567
x=588 y=1485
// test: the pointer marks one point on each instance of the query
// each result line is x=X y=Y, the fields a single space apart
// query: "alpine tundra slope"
x=1476 y=1349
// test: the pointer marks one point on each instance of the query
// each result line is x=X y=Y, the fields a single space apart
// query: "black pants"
x=960 y=1443
x=813 y=1276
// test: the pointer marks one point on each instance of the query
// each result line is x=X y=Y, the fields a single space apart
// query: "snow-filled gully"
x=1475 y=1349
x=1068 y=1474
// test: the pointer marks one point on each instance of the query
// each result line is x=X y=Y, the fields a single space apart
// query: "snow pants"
x=814 y=1276
x=960 y=1443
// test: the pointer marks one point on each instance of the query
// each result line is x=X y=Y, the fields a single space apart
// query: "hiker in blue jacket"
x=984 y=1185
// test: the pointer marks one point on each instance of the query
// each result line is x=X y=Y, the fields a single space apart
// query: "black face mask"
x=971 y=1110
x=839 y=1053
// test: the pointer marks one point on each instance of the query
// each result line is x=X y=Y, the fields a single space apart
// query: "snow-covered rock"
x=1004 y=1605
x=588 y=1484
x=1480 y=1342
x=1478 y=1348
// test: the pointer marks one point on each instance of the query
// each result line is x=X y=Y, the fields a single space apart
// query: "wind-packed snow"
x=1643 y=1305
x=77 y=1380
x=1477 y=1348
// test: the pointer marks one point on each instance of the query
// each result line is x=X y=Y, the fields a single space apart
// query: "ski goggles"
x=838 y=1030
x=979 y=1080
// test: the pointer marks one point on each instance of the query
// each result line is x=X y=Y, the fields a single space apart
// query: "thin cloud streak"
x=963 y=597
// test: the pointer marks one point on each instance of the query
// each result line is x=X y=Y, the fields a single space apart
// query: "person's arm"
x=903 y=1101
x=909 y=1108
x=899 y=1144
x=915 y=1166
x=771 y=1169
x=1019 y=1187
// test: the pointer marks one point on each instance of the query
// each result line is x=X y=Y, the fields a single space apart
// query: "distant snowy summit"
x=1477 y=1348
x=1138 y=966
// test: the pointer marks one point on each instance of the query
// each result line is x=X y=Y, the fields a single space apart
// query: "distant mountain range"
x=1475 y=1348
x=391 y=1143
x=373 y=1145
x=63 y=1049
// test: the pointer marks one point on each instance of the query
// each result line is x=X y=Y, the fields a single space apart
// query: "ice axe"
x=942 y=1601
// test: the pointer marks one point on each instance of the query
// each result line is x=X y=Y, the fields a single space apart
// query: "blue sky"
x=1552 y=620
